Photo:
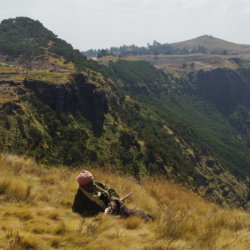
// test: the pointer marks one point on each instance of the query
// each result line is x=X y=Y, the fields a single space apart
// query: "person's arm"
x=112 y=193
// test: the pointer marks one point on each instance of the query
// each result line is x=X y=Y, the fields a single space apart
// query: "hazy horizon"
x=101 y=24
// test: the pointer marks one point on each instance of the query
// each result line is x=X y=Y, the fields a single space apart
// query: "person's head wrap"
x=84 y=178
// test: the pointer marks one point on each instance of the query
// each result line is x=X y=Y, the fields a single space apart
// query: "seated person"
x=92 y=197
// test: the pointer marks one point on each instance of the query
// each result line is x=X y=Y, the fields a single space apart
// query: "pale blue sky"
x=104 y=23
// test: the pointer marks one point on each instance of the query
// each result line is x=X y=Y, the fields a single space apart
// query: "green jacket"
x=86 y=207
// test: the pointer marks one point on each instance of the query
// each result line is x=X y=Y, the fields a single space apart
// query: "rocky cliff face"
x=223 y=87
x=78 y=95
x=229 y=91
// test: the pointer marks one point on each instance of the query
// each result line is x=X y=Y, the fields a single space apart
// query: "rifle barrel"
x=126 y=197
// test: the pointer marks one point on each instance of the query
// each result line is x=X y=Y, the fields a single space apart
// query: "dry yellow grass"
x=6 y=97
x=47 y=76
x=107 y=59
x=9 y=69
x=60 y=61
x=35 y=212
x=13 y=73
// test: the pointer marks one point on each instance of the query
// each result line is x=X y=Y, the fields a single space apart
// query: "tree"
x=102 y=53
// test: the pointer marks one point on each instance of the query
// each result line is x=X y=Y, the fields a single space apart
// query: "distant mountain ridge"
x=204 y=44
x=212 y=44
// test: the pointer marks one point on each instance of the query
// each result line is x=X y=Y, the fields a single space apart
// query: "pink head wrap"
x=84 y=178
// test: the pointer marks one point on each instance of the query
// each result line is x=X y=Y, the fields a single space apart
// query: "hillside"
x=26 y=42
x=36 y=202
x=128 y=117
x=202 y=109
x=211 y=44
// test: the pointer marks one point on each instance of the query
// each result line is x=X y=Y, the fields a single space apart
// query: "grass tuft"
x=133 y=223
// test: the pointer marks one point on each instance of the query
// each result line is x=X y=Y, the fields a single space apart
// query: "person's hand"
x=114 y=207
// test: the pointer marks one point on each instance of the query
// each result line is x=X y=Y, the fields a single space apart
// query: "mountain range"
x=190 y=126
x=206 y=44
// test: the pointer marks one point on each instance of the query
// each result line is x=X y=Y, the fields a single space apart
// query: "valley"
x=182 y=118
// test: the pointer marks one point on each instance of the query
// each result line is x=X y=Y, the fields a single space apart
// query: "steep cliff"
x=223 y=87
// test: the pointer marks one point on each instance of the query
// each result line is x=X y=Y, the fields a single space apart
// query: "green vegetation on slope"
x=139 y=77
x=198 y=121
x=135 y=71
x=182 y=104
x=27 y=39
x=24 y=36
x=58 y=126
